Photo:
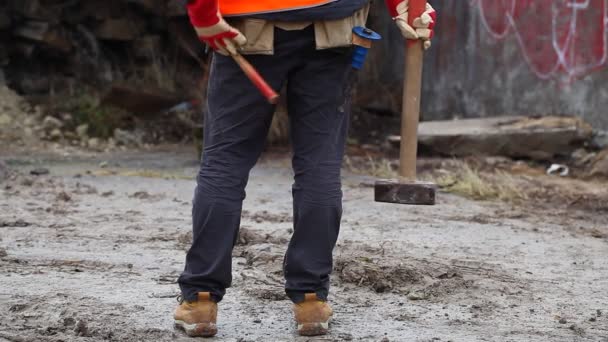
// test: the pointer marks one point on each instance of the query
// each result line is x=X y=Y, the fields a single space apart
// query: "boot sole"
x=313 y=329
x=197 y=329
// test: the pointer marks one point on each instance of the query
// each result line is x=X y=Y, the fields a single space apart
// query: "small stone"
x=126 y=138
x=3 y=253
x=55 y=134
x=416 y=296
x=69 y=322
x=81 y=328
x=563 y=320
x=93 y=143
x=257 y=320
x=40 y=171
x=63 y=196
x=592 y=319
x=578 y=330
x=29 y=121
x=599 y=166
x=111 y=143
x=50 y=123
x=600 y=140
x=66 y=117
x=345 y=337
x=103 y=164
x=5 y=120
x=82 y=131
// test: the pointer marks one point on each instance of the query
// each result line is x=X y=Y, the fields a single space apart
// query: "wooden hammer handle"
x=412 y=85
x=256 y=79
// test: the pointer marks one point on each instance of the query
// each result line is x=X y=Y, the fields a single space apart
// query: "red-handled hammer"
x=257 y=79
x=407 y=190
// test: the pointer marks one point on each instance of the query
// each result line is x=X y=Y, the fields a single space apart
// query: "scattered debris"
x=93 y=143
x=558 y=169
x=265 y=216
x=50 y=123
x=599 y=166
x=128 y=138
x=596 y=233
x=81 y=328
x=82 y=131
x=18 y=119
x=63 y=196
x=600 y=140
x=144 y=195
x=248 y=236
x=107 y=193
x=417 y=295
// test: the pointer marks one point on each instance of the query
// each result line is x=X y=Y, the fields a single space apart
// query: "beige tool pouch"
x=328 y=33
x=339 y=33
x=259 y=34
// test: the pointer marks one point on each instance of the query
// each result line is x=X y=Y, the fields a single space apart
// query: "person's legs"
x=319 y=106
x=236 y=125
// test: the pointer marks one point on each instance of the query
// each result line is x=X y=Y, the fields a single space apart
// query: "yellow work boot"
x=198 y=319
x=312 y=315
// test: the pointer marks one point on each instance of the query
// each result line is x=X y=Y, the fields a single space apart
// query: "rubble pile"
x=50 y=46
x=70 y=56
x=17 y=118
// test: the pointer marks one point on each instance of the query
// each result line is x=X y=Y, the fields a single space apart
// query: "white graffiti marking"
x=563 y=37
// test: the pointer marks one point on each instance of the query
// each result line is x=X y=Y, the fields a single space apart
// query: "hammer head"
x=405 y=192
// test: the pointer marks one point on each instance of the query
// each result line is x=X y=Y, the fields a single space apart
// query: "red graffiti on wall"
x=558 y=37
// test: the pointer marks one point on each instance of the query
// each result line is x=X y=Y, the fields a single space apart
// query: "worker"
x=304 y=45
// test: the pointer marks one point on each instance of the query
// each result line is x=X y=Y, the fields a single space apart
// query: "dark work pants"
x=236 y=125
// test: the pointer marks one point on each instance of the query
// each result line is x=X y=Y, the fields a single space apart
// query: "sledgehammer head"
x=405 y=192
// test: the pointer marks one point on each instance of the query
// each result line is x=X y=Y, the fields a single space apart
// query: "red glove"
x=212 y=29
x=423 y=25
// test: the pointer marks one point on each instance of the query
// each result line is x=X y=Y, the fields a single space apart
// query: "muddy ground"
x=91 y=251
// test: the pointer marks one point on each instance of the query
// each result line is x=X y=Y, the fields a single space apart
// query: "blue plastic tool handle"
x=360 y=52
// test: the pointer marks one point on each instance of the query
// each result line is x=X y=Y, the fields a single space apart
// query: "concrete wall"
x=500 y=57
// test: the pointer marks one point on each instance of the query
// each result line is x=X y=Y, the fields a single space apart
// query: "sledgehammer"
x=406 y=189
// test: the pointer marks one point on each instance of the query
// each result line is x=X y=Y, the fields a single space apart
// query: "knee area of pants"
x=322 y=197
x=319 y=180
x=215 y=177
x=318 y=187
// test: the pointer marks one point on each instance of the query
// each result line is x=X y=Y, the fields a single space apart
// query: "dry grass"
x=471 y=183
x=459 y=178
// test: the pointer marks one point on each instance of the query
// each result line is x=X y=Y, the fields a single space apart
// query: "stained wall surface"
x=500 y=57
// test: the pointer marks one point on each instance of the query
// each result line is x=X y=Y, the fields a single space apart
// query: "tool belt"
x=328 y=33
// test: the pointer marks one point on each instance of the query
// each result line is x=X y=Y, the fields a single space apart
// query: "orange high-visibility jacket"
x=204 y=12
x=239 y=7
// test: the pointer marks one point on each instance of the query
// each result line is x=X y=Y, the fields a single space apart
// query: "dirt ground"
x=91 y=251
